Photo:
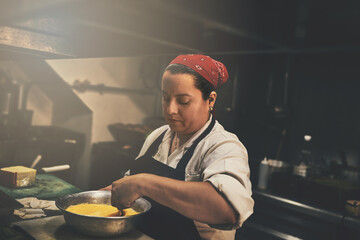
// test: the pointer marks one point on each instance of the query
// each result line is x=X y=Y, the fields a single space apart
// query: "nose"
x=171 y=107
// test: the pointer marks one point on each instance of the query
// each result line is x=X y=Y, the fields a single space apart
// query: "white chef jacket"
x=221 y=159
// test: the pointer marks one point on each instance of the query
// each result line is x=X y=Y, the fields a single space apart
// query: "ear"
x=212 y=98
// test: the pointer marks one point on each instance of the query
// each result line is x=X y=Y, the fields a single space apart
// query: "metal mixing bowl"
x=100 y=226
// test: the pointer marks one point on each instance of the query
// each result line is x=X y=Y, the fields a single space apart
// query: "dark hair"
x=200 y=82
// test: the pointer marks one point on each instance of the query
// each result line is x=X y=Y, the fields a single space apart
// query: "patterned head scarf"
x=213 y=71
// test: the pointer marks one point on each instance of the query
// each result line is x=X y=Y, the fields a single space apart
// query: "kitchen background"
x=80 y=85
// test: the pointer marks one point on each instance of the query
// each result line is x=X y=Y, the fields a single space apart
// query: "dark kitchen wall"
x=256 y=125
x=319 y=97
x=327 y=105
x=307 y=85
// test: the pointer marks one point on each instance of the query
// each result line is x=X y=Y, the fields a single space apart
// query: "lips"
x=173 y=120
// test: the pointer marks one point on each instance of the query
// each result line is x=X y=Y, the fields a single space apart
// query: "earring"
x=211 y=108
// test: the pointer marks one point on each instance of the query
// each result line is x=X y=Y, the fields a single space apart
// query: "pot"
x=100 y=226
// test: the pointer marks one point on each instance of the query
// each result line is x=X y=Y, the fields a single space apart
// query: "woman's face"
x=183 y=106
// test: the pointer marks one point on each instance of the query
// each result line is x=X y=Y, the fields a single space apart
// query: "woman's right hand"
x=125 y=191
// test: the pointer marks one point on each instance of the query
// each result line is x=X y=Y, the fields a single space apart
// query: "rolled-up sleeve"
x=226 y=168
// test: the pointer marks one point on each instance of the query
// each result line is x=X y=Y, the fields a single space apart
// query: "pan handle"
x=56 y=168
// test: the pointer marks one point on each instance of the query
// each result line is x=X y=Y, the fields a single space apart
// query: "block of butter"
x=17 y=176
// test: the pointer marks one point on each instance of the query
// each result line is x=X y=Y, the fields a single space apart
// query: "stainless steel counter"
x=332 y=216
x=55 y=228
x=277 y=217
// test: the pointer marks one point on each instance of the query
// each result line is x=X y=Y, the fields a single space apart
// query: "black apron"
x=162 y=222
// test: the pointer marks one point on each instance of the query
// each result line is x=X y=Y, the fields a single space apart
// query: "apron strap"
x=155 y=145
x=187 y=156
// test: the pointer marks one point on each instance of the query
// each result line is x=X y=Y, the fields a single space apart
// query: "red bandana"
x=213 y=71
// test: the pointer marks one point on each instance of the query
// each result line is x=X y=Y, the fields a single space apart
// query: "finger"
x=120 y=203
x=108 y=188
x=123 y=204
x=119 y=213
x=114 y=200
x=127 y=204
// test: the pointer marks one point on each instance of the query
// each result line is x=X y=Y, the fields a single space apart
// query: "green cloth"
x=48 y=187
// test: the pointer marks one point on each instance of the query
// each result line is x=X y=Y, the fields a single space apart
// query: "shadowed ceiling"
x=116 y=28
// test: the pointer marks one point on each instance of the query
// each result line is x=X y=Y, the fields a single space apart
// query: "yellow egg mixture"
x=99 y=210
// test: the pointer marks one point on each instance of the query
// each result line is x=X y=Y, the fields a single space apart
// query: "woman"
x=195 y=173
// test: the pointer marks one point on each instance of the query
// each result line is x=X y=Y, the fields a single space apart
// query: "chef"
x=193 y=171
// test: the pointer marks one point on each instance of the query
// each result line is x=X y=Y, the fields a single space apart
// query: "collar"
x=188 y=143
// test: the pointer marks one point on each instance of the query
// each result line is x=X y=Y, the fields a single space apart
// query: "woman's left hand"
x=125 y=191
x=107 y=188
x=196 y=200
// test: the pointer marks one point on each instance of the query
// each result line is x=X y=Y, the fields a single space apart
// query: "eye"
x=165 y=99
x=183 y=101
